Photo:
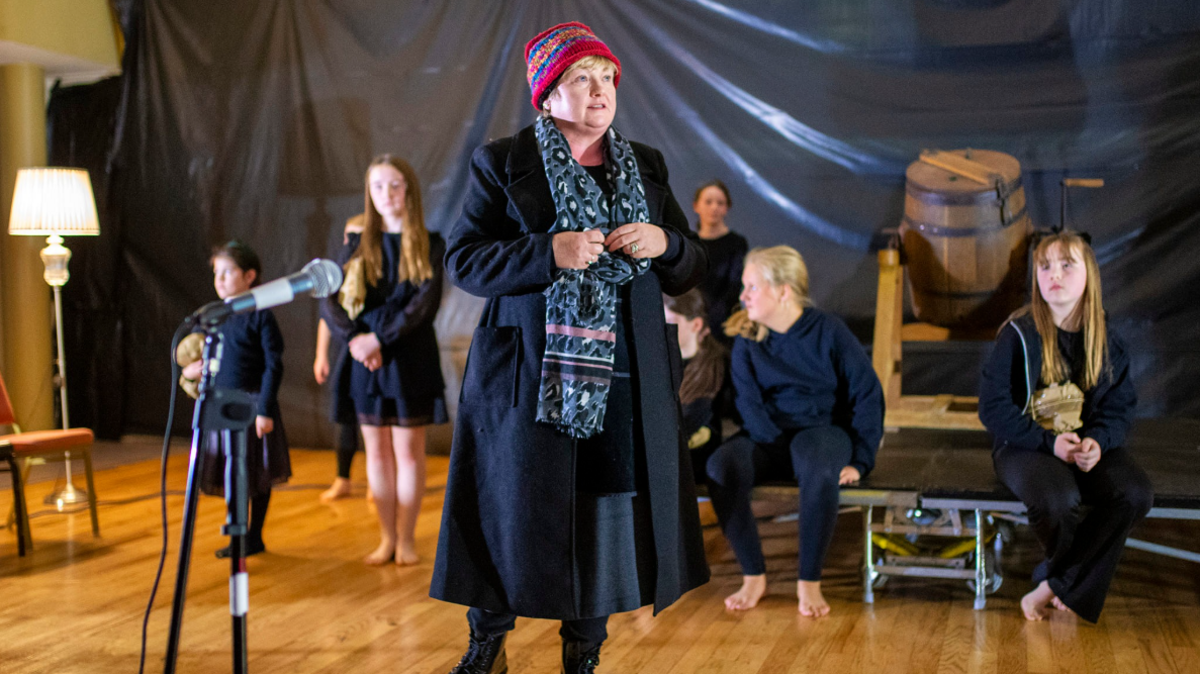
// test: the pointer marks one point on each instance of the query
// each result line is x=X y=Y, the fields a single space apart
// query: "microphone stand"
x=226 y=413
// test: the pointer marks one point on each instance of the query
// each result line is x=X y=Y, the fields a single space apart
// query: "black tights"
x=814 y=457
x=258 y=515
x=590 y=631
x=346 y=446
x=1082 y=547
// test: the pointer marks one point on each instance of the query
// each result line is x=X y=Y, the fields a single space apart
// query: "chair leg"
x=19 y=513
x=91 y=491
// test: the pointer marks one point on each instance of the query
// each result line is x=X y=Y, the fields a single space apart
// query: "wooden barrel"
x=965 y=235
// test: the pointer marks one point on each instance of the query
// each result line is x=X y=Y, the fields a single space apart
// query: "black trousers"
x=591 y=631
x=814 y=457
x=346 y=446
x=1081 y=519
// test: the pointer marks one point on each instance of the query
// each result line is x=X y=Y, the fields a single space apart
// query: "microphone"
x=322 y=277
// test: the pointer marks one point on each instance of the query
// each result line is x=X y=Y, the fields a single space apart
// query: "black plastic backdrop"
x=256 y=120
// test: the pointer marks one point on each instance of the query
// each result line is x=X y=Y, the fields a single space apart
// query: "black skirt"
x=268 y=462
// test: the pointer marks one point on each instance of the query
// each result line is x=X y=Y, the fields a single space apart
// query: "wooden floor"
x=75 y=603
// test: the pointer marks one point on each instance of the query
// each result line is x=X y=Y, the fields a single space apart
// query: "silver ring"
x=593 y=260
x=633 y=248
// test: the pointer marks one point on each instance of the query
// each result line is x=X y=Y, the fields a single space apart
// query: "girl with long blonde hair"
x=1056 y=396
x=385 y=312
x=812 y=411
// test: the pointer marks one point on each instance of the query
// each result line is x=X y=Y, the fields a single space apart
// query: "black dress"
x=408 y=389
x=723 y=283
x=252 y=361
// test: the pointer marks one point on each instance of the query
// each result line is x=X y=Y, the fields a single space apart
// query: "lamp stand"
x=56 y=256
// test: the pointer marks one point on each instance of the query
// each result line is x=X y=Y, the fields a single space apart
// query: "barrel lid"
x=927 y=177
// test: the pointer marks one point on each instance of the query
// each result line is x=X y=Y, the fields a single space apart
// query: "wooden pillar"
x=25 y=308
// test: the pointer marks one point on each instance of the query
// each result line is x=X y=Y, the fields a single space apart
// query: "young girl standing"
x=1057 y=398
x=252 y=361
x=385 y=314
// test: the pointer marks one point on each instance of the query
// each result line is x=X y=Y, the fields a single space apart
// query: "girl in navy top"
x=705 y=372
x=812 y=410
x=1062 y=338
x=726 y=249
x=384 y=312
x=252 y=361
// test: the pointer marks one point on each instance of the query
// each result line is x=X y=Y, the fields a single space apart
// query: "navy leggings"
x=814 y=457
x=346 y=446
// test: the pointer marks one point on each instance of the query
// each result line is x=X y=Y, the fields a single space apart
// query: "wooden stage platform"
x=75 y=603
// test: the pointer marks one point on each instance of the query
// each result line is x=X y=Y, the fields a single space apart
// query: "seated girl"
x=705 y=363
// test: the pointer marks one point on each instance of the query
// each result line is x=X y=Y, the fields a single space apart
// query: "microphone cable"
x=183 y=329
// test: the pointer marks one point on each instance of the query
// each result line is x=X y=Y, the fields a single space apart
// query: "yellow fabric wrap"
x=1058 y=407
x=353 y=294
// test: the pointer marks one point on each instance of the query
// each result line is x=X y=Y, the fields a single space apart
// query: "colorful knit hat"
x=555 y=49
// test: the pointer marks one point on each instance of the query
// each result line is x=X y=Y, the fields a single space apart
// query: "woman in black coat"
x=561 y=503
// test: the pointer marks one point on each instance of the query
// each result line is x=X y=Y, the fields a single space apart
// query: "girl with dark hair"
x=1057 y=398
x=252 y=361
x=705 y=363
x=726 y=249
x=385 y=313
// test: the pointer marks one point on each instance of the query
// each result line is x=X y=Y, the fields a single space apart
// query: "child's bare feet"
x=1033 y=605
x=339 y=489
x=812 y=602
x=752 y=590
x=406 y=555
x=1058 y=604
x=382 y=555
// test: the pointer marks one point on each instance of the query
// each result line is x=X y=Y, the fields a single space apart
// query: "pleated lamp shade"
x=53 y=201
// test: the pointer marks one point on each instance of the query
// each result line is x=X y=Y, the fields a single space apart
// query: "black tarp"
x=256 y=120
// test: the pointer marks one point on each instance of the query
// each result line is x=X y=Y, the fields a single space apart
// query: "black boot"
x=485 y=655
x=580 y=657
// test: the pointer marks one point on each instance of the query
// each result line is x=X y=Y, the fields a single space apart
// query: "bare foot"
x=407 y=555
x=1033 y=605
x=339 y=489
x=812 y=602
x=1058 y=604
x=753 y=589
x=382 y=554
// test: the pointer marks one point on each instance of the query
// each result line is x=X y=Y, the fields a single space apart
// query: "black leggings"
x=1082 y=547
x=346 y=446
x=590 y=631
x=814 y=457
x=258 y=515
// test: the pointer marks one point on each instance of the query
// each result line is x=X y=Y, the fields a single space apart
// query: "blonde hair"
x=592 y=61
x=1089 y=313
x=414 y=238
x=780 y=265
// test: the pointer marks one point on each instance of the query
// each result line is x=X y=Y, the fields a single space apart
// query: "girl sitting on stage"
x=812 y=410
x=705 y=363
x=384 y=312
x=252 y=361
x=1057 y=398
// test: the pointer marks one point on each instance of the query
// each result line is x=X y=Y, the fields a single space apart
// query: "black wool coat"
x=506 y=541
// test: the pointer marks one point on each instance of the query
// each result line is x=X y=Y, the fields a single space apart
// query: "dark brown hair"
x=242 y=255
x=705 y=372
x=717 y=184
x=414 y=238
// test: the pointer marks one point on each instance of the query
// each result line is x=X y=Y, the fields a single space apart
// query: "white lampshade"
x=53 y=201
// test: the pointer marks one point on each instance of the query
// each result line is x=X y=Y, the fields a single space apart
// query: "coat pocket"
x=491 y=377
x=674 y=357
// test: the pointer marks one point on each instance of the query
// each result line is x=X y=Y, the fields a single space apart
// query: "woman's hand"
x=1066 y=446
x=849 y=475
x=193 y=370
x=577 y=250
x=263 y=425
x=1088 y=454
x=321 y=368
x=650 y=240
x=365 y=348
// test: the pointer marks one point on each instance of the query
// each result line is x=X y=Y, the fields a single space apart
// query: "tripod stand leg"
x=185 y=548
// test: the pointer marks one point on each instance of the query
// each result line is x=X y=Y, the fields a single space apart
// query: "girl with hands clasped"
x=252 y=361
x=1057 y=398
x=384 y=312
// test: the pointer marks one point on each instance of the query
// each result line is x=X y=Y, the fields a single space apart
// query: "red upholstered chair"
x=46 y=446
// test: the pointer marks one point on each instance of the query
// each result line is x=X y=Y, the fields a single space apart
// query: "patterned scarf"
x=581 y=304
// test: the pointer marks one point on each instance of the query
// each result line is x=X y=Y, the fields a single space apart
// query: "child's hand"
x=263 y=425
x=849 y=475
x=321 y=368
x=365 y=347
x=1066 y=447
x=1088 y=455
x=193 y=370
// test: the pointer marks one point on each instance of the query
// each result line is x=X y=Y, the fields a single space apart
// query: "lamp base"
x=68 y=495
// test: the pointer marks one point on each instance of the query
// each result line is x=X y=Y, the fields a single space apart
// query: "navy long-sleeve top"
x=815 y=374
x=1012 y=372
x=252 y=357
x=723 y=283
